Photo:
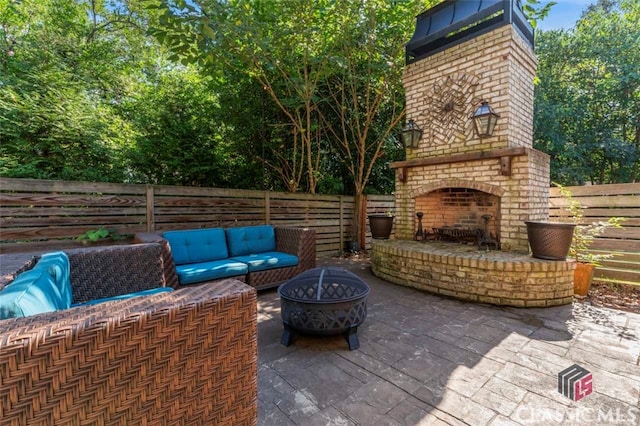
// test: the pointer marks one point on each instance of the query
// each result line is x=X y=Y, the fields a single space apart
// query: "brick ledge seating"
x=187 y=356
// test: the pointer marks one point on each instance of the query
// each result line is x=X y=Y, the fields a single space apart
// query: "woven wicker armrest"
x=170 y=274
x=183 y=357
x=300 y=242
x=100 y=272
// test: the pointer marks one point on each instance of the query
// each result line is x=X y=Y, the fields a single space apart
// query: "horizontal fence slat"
x=38 y=185
x=17 y=199
x=599 y=213
x=20 y=212
x=608 y=189
x=65 y=232
x=591 y=202
x=187 y=191
x=616 y=245
x=610 y=274
x=7 y=223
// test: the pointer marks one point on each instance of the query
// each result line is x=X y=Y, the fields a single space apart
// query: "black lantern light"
x=411 y=134
x=484 y=120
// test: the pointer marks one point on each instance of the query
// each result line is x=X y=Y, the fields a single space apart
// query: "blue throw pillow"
x=45 y=288
x=32 y=292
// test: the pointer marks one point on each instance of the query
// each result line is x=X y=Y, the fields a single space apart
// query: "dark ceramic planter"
x=550 y=240
x=380 y=226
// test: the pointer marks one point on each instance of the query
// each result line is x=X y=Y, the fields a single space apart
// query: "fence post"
x=341 y=220
x=360 y=218
x=267 y=207
x=150 y=200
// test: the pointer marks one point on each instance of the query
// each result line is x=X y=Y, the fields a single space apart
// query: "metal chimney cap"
x=455 y=21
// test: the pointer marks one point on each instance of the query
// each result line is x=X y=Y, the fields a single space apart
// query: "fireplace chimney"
x=461 y=55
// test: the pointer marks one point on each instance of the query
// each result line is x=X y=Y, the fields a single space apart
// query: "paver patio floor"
x=427 y=360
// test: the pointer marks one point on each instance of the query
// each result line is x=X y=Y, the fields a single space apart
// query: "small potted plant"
x=381 y=225
x=99 y=235
x=583 y=237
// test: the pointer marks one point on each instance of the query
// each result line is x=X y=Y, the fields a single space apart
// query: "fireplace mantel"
x=504 y=155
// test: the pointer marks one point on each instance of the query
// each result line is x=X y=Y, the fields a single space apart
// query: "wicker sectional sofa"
x=263 y=256
x=187 y=356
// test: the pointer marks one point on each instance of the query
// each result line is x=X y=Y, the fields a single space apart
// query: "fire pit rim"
x=362 y=291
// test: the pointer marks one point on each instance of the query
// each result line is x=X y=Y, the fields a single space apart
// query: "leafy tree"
x=57 y=65
x=587 y=106
x=536 y=11
x=85 y=94
x=182 y=135
x=282 y=45
x=365 y=96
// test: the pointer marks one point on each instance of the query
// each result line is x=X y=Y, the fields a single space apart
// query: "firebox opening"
x=459 y=215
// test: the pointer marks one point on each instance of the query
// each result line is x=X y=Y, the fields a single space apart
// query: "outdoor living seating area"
x=187 y=355
x=117 y=334
x=212 y=354
x=453 y=315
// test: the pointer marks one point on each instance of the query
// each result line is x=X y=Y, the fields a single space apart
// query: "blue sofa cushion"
x=251 y=240
x=127 y=296
x=45 y=288
x=197 y=245
x=269 y=260
x=207 y=271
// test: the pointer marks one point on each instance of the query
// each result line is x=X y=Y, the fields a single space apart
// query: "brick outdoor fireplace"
x=462 y=54
x=454 y=211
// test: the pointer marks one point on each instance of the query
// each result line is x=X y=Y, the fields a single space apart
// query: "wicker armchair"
x=182 y=357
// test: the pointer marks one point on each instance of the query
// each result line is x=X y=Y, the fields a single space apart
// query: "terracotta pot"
x=582 y=277
x=380 y=226
x=550 y=240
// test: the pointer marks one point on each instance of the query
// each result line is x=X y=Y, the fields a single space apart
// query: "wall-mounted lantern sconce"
x=484 y=120
x=411 y=134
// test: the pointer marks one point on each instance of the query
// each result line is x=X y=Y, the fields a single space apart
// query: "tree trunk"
x=359 y=220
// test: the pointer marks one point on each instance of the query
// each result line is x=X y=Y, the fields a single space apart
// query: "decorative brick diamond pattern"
x=448 y=107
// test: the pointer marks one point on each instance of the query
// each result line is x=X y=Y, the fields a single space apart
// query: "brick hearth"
x=463 y=272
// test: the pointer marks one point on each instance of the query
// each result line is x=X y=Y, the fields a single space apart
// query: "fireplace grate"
x=458 y=234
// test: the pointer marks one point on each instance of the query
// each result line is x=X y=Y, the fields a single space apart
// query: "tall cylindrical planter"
x=550 y=240
x=380 y=226
x=582 y=278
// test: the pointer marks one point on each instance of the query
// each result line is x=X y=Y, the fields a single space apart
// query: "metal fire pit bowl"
x=323 y=301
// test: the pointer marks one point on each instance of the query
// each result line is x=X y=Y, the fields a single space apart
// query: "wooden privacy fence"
x=36 y=213
x=601 y=202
